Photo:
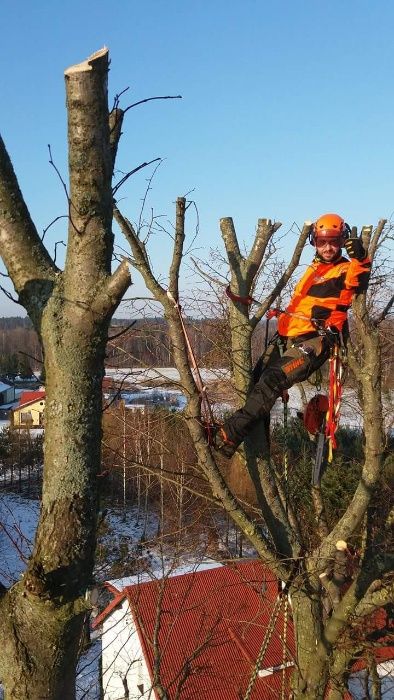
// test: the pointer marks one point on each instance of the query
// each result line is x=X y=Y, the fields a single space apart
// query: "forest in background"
x=145 y=342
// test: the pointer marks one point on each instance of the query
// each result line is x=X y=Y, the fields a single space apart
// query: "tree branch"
x=21 y=248
x=265 y=231
x=177 y=253
x=374 y=244
x=295 y=259
x=112 y=292
x=385 y=311
x=230 y=241
x=141 y=261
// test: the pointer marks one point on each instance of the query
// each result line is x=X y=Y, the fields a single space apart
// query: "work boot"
x=222 y=444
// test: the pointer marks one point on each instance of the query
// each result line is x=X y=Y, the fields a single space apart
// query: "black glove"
x=355 y=248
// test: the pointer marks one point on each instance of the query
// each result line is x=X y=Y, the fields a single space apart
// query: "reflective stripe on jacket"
x=324 y=293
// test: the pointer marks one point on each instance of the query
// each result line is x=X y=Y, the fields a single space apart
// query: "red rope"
x=247 y=301
x=205 y=403
x=334 y=397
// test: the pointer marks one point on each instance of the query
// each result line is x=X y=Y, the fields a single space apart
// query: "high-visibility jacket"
x=323 y=296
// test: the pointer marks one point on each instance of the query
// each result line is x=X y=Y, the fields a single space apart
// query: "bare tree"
x=41 y=616
x=326 y=640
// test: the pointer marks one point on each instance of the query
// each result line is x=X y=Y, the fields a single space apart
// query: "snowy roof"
x=4 y=386
x=187 y=567
x=222 y=612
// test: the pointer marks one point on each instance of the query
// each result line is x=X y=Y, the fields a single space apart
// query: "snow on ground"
x=140 y=386
x=18 y=522
x=157 y=374
x=88 y=673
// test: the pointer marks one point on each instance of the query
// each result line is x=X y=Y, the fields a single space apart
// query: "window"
x=26 y=417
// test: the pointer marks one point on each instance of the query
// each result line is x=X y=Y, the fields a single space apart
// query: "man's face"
x=328 y=248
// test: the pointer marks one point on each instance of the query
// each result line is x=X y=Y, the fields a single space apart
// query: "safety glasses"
x=336 y=241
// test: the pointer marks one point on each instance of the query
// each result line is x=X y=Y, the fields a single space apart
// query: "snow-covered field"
x=159 y=374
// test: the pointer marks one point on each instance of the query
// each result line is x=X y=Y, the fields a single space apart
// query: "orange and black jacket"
x=323 y=296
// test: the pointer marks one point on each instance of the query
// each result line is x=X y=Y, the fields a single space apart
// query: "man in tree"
x=315 y=318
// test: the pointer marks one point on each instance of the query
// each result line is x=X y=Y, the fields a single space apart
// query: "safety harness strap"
x=247 y=301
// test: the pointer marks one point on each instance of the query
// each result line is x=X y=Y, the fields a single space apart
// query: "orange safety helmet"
x=329 y=226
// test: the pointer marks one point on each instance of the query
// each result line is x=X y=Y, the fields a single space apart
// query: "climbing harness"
x=321 y=417
x=328 y=424
x=285 y=400
x=336 y=379
x=206 y=408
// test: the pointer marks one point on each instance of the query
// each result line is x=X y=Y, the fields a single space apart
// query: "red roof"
x=223 y=613
x=30 y=396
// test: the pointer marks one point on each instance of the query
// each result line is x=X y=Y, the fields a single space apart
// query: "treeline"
x=15 y=364
x=145 y=342
x=132 y=342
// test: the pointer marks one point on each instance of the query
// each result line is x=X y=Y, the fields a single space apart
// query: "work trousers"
x=285 y=362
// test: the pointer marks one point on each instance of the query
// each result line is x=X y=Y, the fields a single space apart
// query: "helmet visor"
x=328 y=239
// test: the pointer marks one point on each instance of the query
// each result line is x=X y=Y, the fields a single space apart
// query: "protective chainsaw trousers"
x=284 y=363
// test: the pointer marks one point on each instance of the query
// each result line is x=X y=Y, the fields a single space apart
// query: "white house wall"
x=122 y=658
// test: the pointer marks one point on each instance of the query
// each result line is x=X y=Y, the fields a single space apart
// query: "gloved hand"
x=355 y=248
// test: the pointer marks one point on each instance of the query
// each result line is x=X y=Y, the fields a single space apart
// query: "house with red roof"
x=30 y=410
x=199 y=632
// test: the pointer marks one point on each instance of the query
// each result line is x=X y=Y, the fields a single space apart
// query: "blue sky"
x=286 y=107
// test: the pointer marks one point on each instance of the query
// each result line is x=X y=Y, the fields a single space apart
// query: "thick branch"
x=306 y=229
x=369 y=379
x=112 y=292
x=265 y=231
x=140 y=261
x=21 y=248
x=115 y=131
x=375 y=598
x=374 y=243
x=178 y=247
x=230 y=241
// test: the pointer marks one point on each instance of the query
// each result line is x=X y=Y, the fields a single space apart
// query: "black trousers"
x=285 y=362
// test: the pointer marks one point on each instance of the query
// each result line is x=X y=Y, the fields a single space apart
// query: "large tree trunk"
x=41 y=617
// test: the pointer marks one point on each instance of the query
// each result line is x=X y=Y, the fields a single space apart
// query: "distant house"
x=7 y=393
x=208 y=632
x=30 y=410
